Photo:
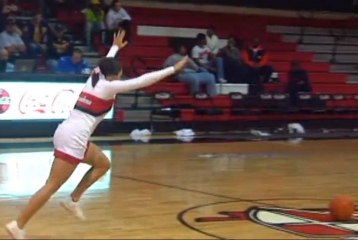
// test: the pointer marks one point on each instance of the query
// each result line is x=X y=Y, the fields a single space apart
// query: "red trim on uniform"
x=68 y=158
x=94 y=104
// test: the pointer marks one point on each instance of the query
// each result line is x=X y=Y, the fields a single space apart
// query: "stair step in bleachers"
x=327 y=48
x=162 y=30
x=310 y=67
x=339 y=58
x=290 y=56
x=216 y=102
x=172 y=87
x=343 y=67
x=336 y=88
x=327 y=78
x=145 y=41
x=311 y=30
x=273 y=46
x=146 y=52
x=320 y=39
x=353 y=79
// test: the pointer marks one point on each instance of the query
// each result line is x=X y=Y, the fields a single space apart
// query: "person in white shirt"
x=72 y=137
x=203 y=56
x=118 y=18
x=212 y=41
x=191 y=74
x=11 y=40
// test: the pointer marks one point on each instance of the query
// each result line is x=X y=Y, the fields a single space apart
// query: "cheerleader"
x=71 y=139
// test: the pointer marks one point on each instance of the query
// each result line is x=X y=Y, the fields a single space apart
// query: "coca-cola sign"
x=5 y=101
x=38 y=100
x=45 y=103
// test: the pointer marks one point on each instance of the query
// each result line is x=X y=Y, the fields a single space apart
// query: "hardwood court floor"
x=177 y=191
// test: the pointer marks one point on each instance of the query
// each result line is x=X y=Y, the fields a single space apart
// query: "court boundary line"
x=176 y=187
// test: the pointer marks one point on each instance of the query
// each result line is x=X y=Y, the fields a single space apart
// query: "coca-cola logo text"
x=47 y=103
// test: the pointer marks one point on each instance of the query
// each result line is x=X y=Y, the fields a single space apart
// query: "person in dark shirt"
x=35 y=34
x=256 y=59
x=298 y=81
x=233 y=64
x=58 y=44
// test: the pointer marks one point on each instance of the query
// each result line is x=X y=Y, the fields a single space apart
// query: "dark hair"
x=114 y=3
x=200 y=37
x=77 y=50
x=178 y=46
x=211 y=27
x=108 y=67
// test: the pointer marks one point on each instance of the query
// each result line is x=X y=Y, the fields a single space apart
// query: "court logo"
x=4 y=101
x=303 y=222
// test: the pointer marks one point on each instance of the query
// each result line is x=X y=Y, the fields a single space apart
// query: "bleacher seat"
x=158 y=113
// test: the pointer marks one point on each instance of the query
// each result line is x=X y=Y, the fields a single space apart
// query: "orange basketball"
x=342 y=208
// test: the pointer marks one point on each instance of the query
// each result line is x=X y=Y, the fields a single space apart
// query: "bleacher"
x=333 y=97
x=326 y=48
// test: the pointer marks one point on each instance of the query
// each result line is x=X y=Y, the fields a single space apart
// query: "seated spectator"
x=74 y=64
x=212 y=41
x=233 y=65
x=35 y=34
x=94 y=20
x=256 y=59
x=58 y=45
x=206 y=60
x=9 y=7
x=298 y=81
x=10 y=40
x=107 y=4
x=191 y=74
x=118 y=18
x=5 y=65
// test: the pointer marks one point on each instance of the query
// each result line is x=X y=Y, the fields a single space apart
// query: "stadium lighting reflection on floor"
x=22 y=174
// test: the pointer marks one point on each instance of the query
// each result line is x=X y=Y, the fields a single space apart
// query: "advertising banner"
x=38 y=100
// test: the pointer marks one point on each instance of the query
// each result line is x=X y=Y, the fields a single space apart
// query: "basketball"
x=342 y=208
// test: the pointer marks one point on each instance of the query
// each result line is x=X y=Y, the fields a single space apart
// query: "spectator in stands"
x=191 y=74
x=258 y=70
x=206 y=60
x=9 y=7
x=212 y=41
x=118 y=18
x=298 y=81
x=235 y=71
x=94 y=20
x=74 y=64
x=107 y=4
x=35 y=34
x=10 y=40
x=58 y=44
x=5 y=65
x=256 y=58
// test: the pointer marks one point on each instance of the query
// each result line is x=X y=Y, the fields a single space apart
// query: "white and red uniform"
x=72 y=135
